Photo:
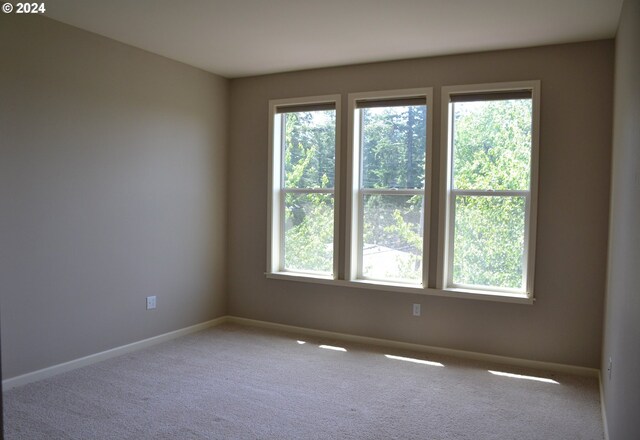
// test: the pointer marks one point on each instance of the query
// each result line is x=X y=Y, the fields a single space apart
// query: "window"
x=390 y=183
x=303 y=185
x=486 y=182
x=490 y=181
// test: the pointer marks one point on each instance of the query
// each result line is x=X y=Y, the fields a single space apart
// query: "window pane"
x=489 y=241
x=308 y=236
x=393 y=146
x=309 y=149
x=492 y=144
x=392 y=237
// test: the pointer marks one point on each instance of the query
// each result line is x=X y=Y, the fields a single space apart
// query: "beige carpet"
x=234 y=382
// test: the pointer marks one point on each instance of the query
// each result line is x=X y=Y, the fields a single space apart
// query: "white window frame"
x=353 y=260
x=447 y=193
x=276 y=192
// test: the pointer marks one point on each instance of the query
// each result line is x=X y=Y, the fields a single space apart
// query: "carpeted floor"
x=235 y=382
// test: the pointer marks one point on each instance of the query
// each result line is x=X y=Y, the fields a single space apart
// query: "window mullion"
x=283 y=221
x=360 y=240
x=490 y=193
x=392 y=191
x=283 y=140
x=309 y=190
x=527 y=235
x=450 y=237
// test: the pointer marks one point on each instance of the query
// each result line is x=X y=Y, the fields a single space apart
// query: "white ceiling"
x=236 y=38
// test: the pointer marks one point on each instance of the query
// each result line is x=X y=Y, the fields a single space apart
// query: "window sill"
x=405 y=288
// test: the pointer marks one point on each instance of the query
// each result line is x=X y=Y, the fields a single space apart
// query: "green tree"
x=492 y=151
x=309 y=163
x=394 y=154
x=394 y=147
x=309 y=154
x=492 y=145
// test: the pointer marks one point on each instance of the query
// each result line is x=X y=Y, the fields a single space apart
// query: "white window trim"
x=402 y=288
x=353 y=263
x=349 y=280
x=446 y=229
x=275 y=198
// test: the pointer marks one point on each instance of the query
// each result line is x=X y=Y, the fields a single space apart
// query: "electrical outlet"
x=151 y=302
x=610 y=367
x=416 y=310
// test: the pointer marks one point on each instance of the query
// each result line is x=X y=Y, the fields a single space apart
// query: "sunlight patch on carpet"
x=520 y=376
x=332 y=347
x=415 y=361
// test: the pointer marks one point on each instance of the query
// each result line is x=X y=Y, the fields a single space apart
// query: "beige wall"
x=622 y=318
x=115 y=172
x=112 y=187
x=565 y=323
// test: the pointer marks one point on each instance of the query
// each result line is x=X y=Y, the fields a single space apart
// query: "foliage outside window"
x=389 y=180
x=303 y=187
x=488 y=185
x=489 y=199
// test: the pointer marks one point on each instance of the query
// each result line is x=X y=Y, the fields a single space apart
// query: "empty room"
x=337 y=219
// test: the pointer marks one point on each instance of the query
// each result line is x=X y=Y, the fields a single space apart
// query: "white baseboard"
x=97 y=357
x=549 y=366
x=603 y=408
x=103 y=355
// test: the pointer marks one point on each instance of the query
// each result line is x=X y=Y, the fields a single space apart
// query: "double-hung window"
x=489 y=187
x=486 y=177
x=388 y=201
x=302 y=187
